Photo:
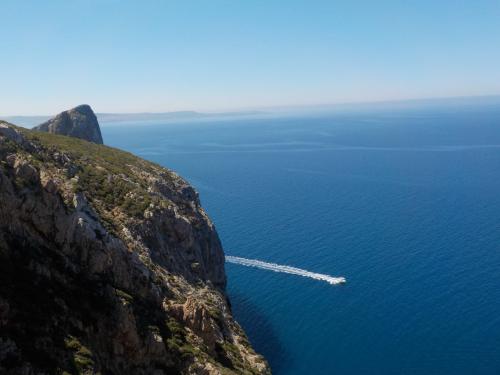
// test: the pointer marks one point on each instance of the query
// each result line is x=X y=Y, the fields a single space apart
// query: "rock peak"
x=82 y=108
x=79 y=122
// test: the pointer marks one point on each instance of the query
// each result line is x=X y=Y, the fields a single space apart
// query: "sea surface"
x=404 y=203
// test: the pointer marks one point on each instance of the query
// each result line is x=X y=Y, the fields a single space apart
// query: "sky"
x=213 y=55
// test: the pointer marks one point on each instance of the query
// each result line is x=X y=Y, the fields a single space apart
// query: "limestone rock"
x=114 y=268
x=79 y=122
x=10 y=133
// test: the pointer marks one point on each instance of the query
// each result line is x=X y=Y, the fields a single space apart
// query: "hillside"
x=108 y=264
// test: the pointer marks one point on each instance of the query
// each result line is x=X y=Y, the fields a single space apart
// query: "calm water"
x=404 y=204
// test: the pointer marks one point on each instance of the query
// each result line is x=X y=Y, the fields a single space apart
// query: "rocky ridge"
x=79 y=122
x=108 y=265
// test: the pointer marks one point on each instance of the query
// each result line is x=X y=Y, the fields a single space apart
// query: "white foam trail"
x=284 y=269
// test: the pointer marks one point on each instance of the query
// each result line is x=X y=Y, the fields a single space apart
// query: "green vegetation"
x=178 y=341
x=125 y=297
x=9 y=147
x=109 y=177
x=113 y=191
x=228 y=353
x=178 y=334
x=232 y=350
x=112 y=159
x=117 y=185
x=82 y=356
x=232 y=354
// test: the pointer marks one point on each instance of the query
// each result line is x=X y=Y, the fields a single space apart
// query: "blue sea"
x=403 y=202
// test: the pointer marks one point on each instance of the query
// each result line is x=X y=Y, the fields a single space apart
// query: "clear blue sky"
x=129 y=56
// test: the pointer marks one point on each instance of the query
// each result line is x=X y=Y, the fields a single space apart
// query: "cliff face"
x=108 y=264
x=79 y=122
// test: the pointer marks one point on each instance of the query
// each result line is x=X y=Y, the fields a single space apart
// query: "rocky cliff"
x=108 y=265
x=79 y=122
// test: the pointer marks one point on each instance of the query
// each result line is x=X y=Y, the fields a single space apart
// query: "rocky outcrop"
x=108 y=264
x=79 y=122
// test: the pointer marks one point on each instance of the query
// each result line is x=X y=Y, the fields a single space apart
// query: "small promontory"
x=79 y=122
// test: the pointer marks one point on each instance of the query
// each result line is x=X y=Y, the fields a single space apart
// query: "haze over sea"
x=402 y=201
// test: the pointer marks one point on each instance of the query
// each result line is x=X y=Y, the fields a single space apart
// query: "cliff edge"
x=79 y=122
x=108 y=264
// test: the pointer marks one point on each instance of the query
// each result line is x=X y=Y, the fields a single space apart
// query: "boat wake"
x=284 y=269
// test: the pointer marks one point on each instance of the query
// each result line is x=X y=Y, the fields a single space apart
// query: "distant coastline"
x=30 y=121
x=444 y=103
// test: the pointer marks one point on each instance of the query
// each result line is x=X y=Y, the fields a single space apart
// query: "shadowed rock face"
x=79 y=122
x=108 y=264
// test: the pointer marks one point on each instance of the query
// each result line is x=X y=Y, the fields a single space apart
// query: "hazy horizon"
x=270 y=109
x=124 y=56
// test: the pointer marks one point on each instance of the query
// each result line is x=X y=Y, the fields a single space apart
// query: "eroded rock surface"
x=79 y=122
x=108 y=264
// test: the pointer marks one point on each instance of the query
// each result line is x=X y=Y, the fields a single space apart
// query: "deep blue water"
x=404 y=204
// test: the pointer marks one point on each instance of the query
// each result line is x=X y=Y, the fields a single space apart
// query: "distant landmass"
x=79 y=122
x=31 y=121
x=179 y=115
x=455 y=103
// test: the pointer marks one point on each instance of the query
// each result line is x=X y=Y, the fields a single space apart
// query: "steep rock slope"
x=108 y=264
x=79 y=122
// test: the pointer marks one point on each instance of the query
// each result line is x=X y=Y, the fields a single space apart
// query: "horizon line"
x=240 y=110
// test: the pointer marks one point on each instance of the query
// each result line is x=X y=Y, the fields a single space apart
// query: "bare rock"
x=119 y=271
x=79 y=122
x=10 y=133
